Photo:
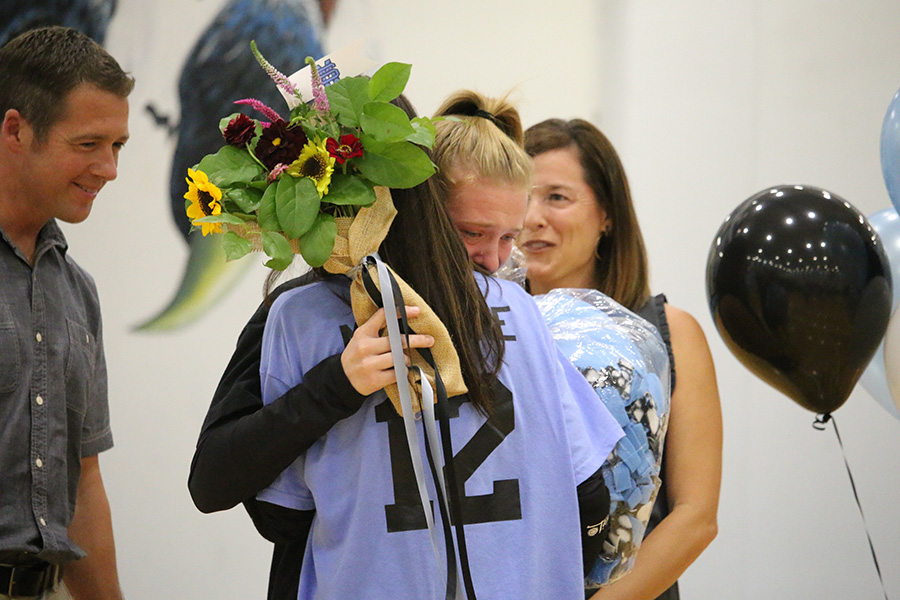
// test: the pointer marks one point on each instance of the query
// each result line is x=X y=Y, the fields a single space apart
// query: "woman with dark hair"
x=581 y=232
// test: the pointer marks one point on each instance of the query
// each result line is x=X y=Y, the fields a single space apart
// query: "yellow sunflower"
x=205 y=200
x=316 y=163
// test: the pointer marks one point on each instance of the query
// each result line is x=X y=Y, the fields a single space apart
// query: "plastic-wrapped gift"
x=625 y=360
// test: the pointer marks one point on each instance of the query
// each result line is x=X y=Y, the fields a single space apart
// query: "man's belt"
x=30 y=580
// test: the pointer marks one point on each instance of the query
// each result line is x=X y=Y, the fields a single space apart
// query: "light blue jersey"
x=520 y=511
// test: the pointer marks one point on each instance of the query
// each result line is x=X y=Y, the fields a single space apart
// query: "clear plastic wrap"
x=625 y=360
x=514 y=267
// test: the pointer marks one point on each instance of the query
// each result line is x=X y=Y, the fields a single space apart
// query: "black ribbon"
x=819 y=423
x=441 y=410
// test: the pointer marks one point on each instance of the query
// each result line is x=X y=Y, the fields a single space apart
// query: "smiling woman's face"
x=488 y=216
x=563 y=224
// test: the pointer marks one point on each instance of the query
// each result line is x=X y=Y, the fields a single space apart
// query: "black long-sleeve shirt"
x=244 y=445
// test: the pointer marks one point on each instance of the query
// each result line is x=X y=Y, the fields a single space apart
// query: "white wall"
x=711 y=102
x=708 y=102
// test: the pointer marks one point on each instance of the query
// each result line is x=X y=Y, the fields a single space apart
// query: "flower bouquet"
x=317 y=183
x=279 y=184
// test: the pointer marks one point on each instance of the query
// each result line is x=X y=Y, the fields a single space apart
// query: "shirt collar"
x=49 y=236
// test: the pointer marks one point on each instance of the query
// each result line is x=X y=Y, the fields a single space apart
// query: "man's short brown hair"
x=40 y=67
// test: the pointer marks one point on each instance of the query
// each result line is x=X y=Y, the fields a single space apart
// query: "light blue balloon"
x=886 y=224
x=890 y=151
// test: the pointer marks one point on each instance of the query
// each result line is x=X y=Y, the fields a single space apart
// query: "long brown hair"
x=424 y=248
x=620 y=265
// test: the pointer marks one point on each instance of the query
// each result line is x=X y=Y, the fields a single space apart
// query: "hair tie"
x=497 y=122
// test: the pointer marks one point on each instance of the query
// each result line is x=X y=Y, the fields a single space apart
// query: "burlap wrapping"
x=252 y=232
x=360 y=236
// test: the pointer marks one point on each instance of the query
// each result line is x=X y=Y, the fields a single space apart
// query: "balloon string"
x=819 y=424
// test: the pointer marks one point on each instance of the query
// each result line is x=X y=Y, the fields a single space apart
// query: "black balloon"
x=800 y=289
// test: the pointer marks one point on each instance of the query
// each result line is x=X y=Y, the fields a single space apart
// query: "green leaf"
x=246 y=198
x=266 y=216
x=385 y=122
x=317 y=244
x=223 y=123
x=424 y=132
x=396 y=165
x=349 y=190
x=388 y=82
x=299 y=112
x=278 y=249
x=347 y=98
x=230 y=165
x=235 y=246
x=257 y=133
x=296 y=204
x=220 y=218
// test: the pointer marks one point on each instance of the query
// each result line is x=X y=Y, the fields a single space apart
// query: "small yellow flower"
x=316 y=163
x=205 y=200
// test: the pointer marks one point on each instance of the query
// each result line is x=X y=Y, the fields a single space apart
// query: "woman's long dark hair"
x=424 y=248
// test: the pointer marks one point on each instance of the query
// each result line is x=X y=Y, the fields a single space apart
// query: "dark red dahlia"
x=239 y=131
x=349 y=147
x=278 y=144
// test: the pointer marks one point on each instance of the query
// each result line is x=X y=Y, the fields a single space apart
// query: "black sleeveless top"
x=655 y=312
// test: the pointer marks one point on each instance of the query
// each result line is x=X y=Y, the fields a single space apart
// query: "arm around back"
x=244 y=445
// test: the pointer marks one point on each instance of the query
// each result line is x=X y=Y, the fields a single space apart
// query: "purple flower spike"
x=277 y=76
x=318 y=89
x=259 y=106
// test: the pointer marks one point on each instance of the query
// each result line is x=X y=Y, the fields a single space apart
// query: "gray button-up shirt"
x=53 y=394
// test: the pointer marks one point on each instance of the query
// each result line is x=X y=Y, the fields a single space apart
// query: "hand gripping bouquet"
x=317 y=183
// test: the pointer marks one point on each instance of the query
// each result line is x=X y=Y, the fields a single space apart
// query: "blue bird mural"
x=219 y=70
x=91 y=17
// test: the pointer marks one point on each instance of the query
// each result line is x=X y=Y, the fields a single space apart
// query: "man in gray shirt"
x=64 y=111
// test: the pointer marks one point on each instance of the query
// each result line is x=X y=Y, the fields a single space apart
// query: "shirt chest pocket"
x=79 y=366
x=10 y=352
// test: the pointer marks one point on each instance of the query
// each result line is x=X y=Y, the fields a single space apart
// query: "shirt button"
x=39 y=400
x=39 y=463
x=39 y=337
x=87 y=339
x=43 y=522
